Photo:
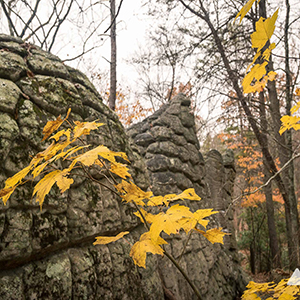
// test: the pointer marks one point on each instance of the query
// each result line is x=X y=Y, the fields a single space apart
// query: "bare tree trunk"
x=275 y=253
x=288 y=134
x=271 y=166
x=113 y=59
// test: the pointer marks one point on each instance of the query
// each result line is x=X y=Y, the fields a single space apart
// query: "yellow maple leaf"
x=84 y=128
x=59 y=134
x=256 y=72
x=168 y=222
x=51 y=126
x=264 y=31
x=14 y=180
x=297 y=92
x=214 y=235
x=289 y=122
x=44 y=186
x=189 y=223
x=36 y=172
x=200 y=214
x=244 y=10
x=63 y=182
x=188 y=194
x=120 y=169
x=103 y=240
x=157 y=200
x=6 y=193
x=132 y=193
x=267 y=53
x=139 y=250
x=251 y=297
x=148 y=216
x=295 y=108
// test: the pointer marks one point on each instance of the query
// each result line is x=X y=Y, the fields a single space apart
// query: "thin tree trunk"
x=271 y=166
x=113 y=58
x=275 y=254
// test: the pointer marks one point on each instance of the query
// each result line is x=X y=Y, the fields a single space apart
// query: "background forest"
x=195 y=47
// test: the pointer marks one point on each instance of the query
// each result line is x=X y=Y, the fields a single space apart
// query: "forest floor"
x=274 y=275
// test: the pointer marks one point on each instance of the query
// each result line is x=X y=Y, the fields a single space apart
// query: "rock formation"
x=49 y=254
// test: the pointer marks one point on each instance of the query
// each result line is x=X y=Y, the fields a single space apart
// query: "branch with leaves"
x=169 y=220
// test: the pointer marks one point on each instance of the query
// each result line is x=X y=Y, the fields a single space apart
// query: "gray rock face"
x=167 y=140
x=49 y=254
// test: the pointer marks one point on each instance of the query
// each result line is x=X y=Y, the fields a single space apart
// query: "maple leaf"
x=6 y=193
x=120 y=169
x=103 y=240
x=289 y=122
x=189 y=194
x=264 y=31
x=12 y=181
x=84 y=128
x=295 y=108
x=168 y=222
x=148 y=216
x=157 y=200
x=51 y=126
x=36 y=172
x=44 y=186
x=244 y=10
x=59 y=134
x=132 y=193
x=139 y=250
x=214 y=235
x=256 y=72
x=189 y=223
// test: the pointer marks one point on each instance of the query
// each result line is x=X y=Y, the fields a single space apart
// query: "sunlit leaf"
x=139 y=250
x=188 y=194
x=245 y=9
x=6 y=193
x=200 y=214
x=148 y=216
x=63 y=182
x=44 y=186
x=84 y=128
x=289 y=122
x=256 y=72
x=120 y=169
x=264 y=31
x=156 y=201
x=14 y=180
x=51 y=126
x=132 y=193
x=36 y=172
x=168 y=222
x=295 y=108
x=214 y=235
x=103 y=240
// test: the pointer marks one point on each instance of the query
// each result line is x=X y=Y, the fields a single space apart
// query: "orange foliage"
x=128 y=112
x=182 y=88
x=249 y=161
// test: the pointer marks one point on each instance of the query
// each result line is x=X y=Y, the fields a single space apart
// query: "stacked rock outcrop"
x=49 y=254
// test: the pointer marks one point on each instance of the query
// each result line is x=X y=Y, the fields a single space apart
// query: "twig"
x=265 y=184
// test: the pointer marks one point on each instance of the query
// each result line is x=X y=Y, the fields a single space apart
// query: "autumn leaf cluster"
x=68 y=145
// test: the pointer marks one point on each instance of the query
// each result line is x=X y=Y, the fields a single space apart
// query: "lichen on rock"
x=49 y=254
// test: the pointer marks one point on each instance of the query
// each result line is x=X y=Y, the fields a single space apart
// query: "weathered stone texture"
x=170 y=147
x=49 y=254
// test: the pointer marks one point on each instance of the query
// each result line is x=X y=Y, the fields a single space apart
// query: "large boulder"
x=48 y=253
